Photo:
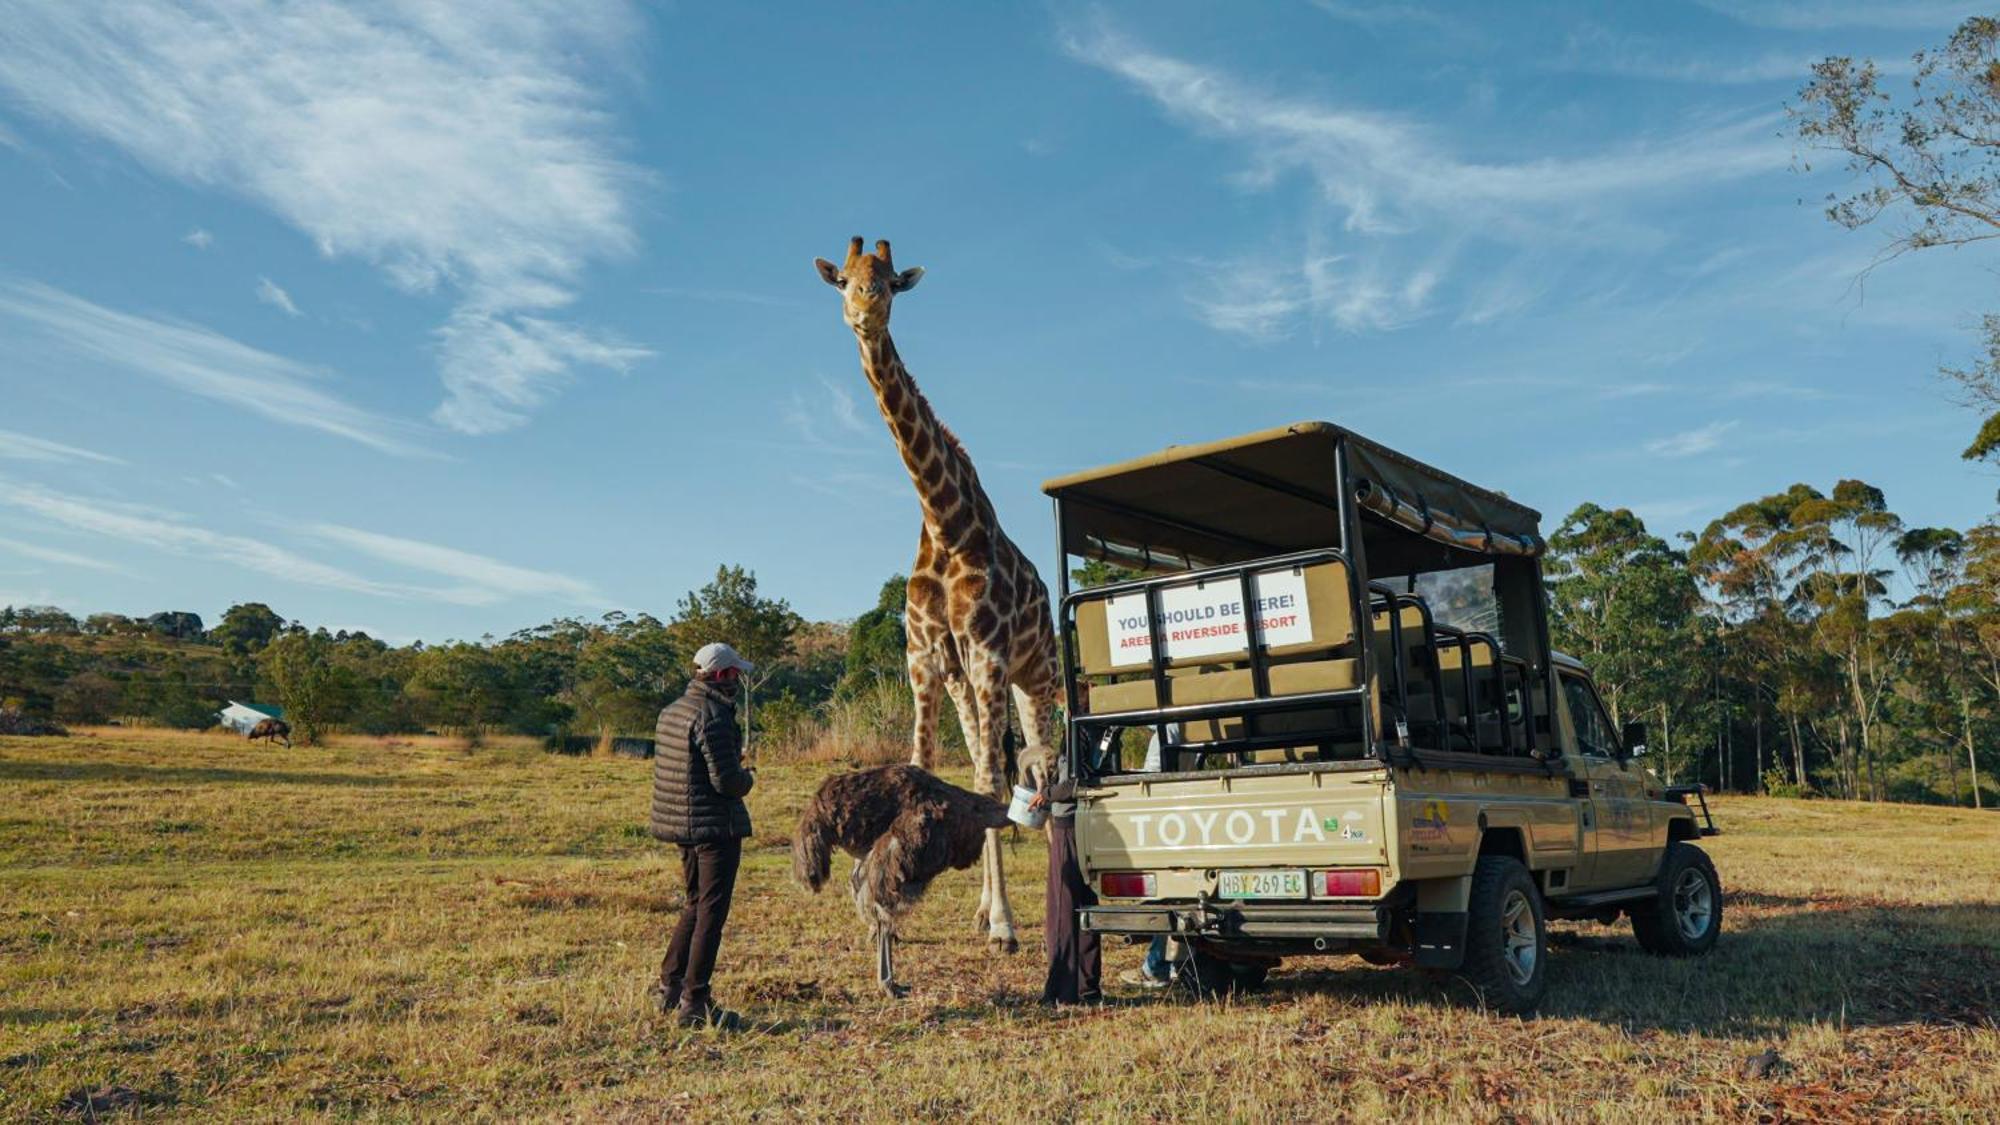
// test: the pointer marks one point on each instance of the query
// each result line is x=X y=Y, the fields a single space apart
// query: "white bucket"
x=1019 y=812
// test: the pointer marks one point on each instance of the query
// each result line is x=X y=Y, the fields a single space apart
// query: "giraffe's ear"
x=830 y=273
x=907 y=280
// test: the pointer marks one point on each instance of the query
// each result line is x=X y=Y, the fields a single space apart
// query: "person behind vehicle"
x=698 y=787
x=1075 y=965
x=1158 y=970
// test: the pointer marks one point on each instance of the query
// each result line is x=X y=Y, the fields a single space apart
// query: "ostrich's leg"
x=885 y=963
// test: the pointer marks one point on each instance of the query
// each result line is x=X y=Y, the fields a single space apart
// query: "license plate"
x=1261 y=884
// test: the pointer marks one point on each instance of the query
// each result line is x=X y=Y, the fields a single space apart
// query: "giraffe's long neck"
x=955 y=506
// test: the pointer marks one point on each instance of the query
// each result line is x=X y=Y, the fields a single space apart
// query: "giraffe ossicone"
x=977 y=614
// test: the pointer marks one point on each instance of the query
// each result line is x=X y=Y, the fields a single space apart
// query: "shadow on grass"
x=1856 y=965
x=182 y=775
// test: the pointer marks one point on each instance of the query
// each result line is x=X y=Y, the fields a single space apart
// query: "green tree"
x=876 y=641
x=309 y=686
x=246 y=628
x=460 y=686
x=1927 y=155
x=1097 y=572
x=1623 y=600
x=87 y=697
x=730 y=609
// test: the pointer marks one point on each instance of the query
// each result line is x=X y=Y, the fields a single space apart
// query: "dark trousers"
x=710 y=871
x=1074 y=967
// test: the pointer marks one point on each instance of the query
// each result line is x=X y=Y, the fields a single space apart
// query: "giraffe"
x=977 y=614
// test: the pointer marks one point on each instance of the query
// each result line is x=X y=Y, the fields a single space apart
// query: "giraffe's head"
x=867 y=284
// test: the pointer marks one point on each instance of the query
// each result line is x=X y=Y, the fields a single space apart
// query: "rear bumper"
x=1210 y=920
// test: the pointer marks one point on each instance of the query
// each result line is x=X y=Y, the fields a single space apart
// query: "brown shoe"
x=665 y=1000
x=710 y=1015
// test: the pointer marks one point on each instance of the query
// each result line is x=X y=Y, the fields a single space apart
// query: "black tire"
x=1506 y=937
x=1207 y=976
x=1684 y=916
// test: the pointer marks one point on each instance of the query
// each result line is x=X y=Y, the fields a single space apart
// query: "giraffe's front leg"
x=989 y=690
x=970 y=724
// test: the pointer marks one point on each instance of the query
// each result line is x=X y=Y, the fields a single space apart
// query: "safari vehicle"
x=1361 y=741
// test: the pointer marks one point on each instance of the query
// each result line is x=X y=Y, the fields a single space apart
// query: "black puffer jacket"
x=698 y=775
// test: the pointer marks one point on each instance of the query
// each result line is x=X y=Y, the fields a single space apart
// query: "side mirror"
x=1634 y=738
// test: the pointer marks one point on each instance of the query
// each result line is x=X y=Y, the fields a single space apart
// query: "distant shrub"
x=569 y=743
x=15 y=722
x=1778 y=784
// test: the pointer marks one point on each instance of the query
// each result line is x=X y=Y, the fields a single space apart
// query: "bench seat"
x=1231 y=685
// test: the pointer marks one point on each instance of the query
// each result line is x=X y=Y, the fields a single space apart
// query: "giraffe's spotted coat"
x=977 y=614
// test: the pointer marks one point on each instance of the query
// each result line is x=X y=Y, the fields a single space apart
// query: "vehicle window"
x=1593 y=728
x=1462 y=598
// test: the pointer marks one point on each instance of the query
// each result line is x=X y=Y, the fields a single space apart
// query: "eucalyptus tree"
x=1926 y=155
x=1624 y=601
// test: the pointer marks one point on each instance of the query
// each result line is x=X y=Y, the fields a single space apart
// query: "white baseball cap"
x=715 y=656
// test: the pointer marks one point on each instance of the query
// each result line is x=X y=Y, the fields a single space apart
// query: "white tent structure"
x=240 y=717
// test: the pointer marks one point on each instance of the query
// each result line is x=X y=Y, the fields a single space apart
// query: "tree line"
x=1803 y=642
x=567 y=679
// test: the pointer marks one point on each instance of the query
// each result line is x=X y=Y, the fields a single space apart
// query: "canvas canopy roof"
x=1273 y=492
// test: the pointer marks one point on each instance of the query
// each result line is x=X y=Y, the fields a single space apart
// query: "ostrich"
x=272 y=730
x=903 y=827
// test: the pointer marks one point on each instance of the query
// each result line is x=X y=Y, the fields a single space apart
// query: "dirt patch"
x=92 y=1104
x=559 y=896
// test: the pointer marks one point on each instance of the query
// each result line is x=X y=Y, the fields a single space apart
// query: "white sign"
x=1202 y=619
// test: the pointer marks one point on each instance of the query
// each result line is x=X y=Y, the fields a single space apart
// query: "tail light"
x=1125 y=884
x=1363 y=882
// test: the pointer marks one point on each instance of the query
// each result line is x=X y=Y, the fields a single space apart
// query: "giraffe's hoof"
x=1006 y=945
x=895 y=991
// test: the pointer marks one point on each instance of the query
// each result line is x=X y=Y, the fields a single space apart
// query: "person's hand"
x=1038 y=800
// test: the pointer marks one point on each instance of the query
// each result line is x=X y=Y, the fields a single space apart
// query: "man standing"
x=698 y=788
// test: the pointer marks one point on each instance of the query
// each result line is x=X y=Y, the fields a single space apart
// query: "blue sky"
x=442 y=320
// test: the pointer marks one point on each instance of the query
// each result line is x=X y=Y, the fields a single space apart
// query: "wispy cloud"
x=1394 y=203
x=1688 y=443
x=1595 y=49
x=452 y=146
x=479 y=580
x=60 y=558
x=863 y=489
x=199 y=239
x=195 y=360
x=26 y=447
x=725 y=296
x=497 y=368
x=1658 y=513
x=1815 y=15
x=1772 y=388
x=165 y=531
x=475 y=580
x=272 y=294
x=830 y=422
x=1377 y=16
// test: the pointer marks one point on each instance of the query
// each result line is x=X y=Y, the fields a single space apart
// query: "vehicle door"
x=1617 y=810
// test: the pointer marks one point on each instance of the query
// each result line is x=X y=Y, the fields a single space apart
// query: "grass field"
x=192 y=927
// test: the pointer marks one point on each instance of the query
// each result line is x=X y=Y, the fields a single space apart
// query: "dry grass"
x=189 y=927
